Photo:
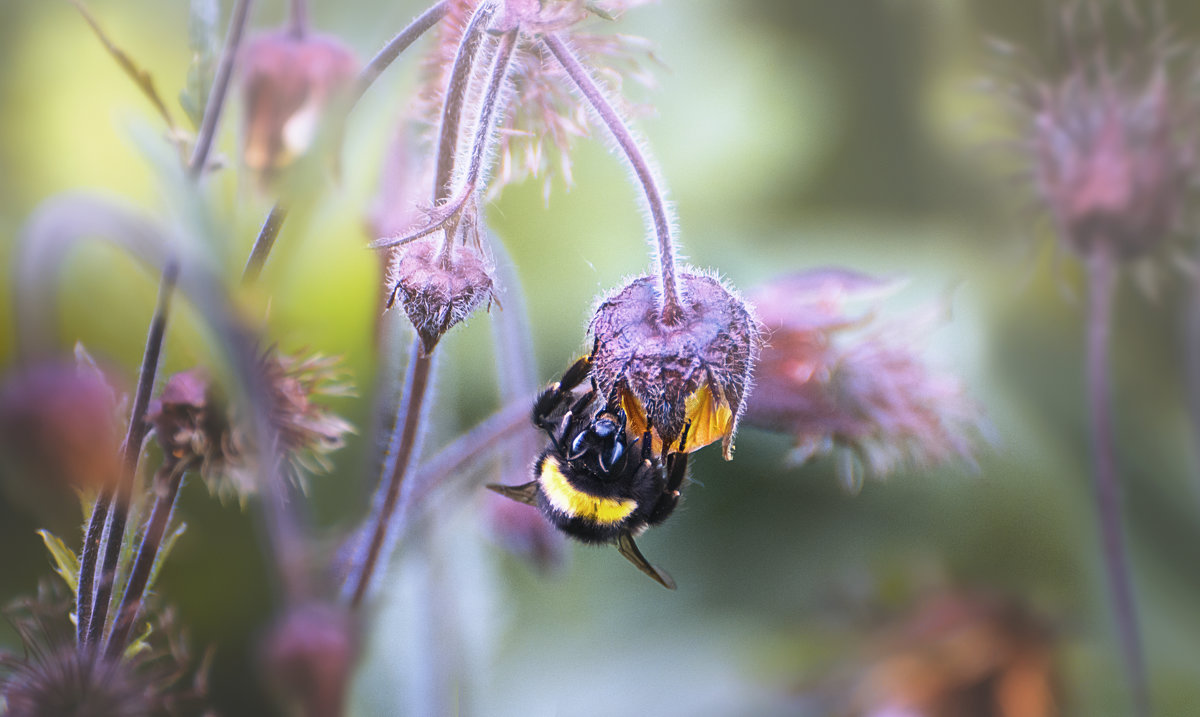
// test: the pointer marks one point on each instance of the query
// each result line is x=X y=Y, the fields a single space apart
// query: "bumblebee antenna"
x=629 y=549
x=526 y=494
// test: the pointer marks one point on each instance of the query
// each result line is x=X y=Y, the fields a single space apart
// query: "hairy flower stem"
x=264 y=243
x=220 y=88
x=672 y=306
x=1102 y=282
x=397 y=462
x=108 y=518
x=166 y=488
x=386 y=55
x=456 y=96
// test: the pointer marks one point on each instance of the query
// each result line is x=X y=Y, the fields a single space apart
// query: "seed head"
x=836 y=379
x=287 y=83
x=693 y=373
x=195 y=422
x=437 y=291
x=58 y=422
x=1107 y=138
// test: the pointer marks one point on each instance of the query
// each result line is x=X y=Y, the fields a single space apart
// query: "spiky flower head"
x=195 y=422
x=695 y=372
x=840 y=379
x=1107 y=134
x=58 y=423
x=288 y=80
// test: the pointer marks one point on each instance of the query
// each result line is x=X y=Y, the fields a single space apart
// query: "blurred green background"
x=793 y=134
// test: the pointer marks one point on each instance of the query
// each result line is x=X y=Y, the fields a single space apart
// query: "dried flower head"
x=54 y=677
x=195 y=422
x=438 y=285
x=835 y=379
x=288 y=81
x=309 y=656
x=694 y=373
x=1106 y=136
x=58 y=422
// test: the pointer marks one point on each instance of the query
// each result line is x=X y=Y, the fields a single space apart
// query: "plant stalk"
x=220 y=88
x=671 y=304
x=298 y=20
x=1102 y=283
x=397 y=461
x=93 y=615
x=166 y=485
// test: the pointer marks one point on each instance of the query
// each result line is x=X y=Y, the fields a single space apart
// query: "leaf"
x=164 y=550
x=139 y=644
x=140 y=77
x=595 y=9
x=66 y=563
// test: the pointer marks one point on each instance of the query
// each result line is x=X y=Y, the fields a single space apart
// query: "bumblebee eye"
x=607 y=461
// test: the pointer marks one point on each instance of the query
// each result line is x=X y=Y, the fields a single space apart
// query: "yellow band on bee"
x=573 y=502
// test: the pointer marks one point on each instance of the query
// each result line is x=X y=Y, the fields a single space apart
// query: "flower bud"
x=695 y=373
x=309 y=656
x=58 y=422
x=287 y=83
x=437 y=292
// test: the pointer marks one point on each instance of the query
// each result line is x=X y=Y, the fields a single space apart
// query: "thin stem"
x=220 y=88
x=298 y=21
x=398 y=44
x=264 y=242
x=273 y=224
x=672 y=306
x=456 y=95
x=491 y=102
x=115 y=514
x=396 y=465
x=87 y=564
x=1102 y=282
x=166 y=485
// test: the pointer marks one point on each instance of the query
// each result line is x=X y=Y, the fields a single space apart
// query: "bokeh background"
x=793 y=135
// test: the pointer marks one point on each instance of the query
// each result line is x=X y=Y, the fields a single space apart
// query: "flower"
x=288 y=81
x=195 y=422
x=695 y=372
x=1106 y=138
x=436 y=290
x=835 y=379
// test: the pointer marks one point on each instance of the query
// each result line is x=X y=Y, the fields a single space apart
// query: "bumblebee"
x=592 y=482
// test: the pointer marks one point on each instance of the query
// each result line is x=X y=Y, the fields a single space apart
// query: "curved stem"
x=1102 y=282
x=220 y=88
x=672 y=306
x=273 y=224
x=396 y=465
x=491 y=102
x=92 y=616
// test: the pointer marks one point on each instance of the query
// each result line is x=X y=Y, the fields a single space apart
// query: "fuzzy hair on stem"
x=662 y=218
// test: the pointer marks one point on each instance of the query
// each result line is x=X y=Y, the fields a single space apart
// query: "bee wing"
x=526 y=494
x=629 y=549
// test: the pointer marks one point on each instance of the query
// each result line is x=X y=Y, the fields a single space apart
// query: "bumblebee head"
x=604 y=440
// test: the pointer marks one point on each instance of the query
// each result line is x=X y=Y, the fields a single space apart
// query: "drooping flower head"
x=288 y=81
x=1106 y=135
x=694 y=373
x=195 y=421
x=838 y=379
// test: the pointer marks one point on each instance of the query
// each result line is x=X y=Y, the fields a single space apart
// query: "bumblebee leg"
x=629 y=549
x=551 y=399
x=676 y=471
x=526 y=494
